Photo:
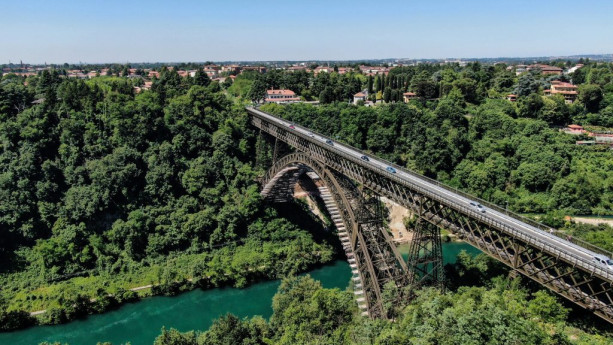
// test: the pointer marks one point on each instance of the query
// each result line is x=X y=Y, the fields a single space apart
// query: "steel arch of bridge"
x=587 y=285
x=370 y=251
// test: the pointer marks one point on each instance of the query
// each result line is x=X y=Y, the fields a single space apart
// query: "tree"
x=555 y=110
x=578 y=76
x=527 y=85
x=531 y=106
x=387 y=95
x=174 y=337
x=326 y=96
x=257 y=91
x=229 y=330
x=591 y=96
x=423 y=86
x=201 y=78
x=468 y=88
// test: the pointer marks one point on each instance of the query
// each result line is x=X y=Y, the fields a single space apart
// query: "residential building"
x=231 y=68
x=568 y=90
x=360 y=96
x=281 y=96
x=374 y=70
x=407 y=96
x=573 y=69
x=260 y=69
x=575 y=129
x=519 y=69
x=546 y=69
x=296 y=68
x=211 y=70
x=324 y=69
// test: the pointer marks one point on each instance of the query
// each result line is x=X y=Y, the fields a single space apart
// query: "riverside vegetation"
x=482 y=308
x=103 y=190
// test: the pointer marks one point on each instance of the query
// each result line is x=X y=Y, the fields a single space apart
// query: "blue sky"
x=60 y=31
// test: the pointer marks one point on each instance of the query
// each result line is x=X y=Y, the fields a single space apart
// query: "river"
x=139 y=323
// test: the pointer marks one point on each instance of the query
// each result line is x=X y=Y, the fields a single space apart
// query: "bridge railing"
x=548 y=231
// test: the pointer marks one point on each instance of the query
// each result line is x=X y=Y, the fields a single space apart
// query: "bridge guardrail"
x=522 y=235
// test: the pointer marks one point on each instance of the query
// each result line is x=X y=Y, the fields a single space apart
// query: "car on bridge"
x=390 y=169
x=292 y=126
x=365 y=158
x=478 y=206
x=603 y=260
x=329 y=142
x=311 y=135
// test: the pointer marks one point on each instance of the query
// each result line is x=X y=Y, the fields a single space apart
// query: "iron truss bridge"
x=350 y=181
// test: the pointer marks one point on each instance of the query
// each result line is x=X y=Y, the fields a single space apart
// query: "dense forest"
x=103 y=189
x=119 y=190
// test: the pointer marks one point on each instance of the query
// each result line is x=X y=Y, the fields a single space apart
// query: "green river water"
x=139 y=323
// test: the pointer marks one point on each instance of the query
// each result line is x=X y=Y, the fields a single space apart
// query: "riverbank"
x=162 y=280
x=140 y=322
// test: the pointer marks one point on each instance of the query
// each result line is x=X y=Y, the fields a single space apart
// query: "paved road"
x=449 y=196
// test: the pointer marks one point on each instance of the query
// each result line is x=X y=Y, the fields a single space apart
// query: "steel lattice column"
x=425 y=259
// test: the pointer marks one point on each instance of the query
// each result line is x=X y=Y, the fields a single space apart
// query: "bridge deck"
x=515 y=225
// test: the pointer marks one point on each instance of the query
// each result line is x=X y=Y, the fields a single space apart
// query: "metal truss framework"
x=376 y=257
x=588 y=286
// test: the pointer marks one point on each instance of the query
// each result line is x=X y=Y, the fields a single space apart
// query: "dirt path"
x=593 y=221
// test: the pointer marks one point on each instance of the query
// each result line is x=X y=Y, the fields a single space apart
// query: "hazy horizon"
x=189 y=30
x=309 y=60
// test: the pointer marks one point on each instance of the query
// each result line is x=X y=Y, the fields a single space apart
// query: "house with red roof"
x=407 y=96
x=281 y=96
x=360 y=96
x=211 y=70
x=546 y=69
x=567 y=90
